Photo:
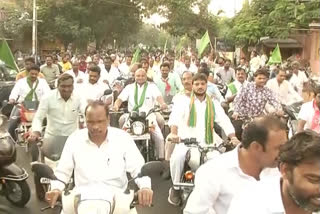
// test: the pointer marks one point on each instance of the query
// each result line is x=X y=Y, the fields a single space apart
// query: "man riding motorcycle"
x=141 y=96
x=99 y=156
x=28 y=89
x=194 y=116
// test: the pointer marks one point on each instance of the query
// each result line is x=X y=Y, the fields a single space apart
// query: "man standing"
x=187 y=66
x=125 y=67
x=296 y=191
x=194 y=117
x=28 y=62
x=142 y=96
x=298 y=77
x=218 y=180
x=77 y=75
x=50 y=70
x=65 y=64
x=283 y=89
x=91 y=89
x=168 y=83
x=226 y=73
x=109 y=73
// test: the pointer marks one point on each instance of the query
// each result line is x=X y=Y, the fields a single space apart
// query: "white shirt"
x=110 y=76
x=306 y=113
x=88 y=91
x=21 y=89
x=264 y=197
x=152 y=93
x=216 y=183
x=124 y=69
x=62 y=116
x=298 y=80
x=80 y=76
x=285 y=92
x=106 y=165
x=182 y=68
x=180 y=114
x=255 y=64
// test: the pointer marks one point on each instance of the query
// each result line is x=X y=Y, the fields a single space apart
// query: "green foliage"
x=273 y=18
x=83 y=21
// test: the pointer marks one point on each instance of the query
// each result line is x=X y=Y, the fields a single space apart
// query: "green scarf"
x=143 y=96
x=209 y=117
x=32 y=91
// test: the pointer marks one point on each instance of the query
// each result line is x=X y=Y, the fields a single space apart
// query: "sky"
x=228 y=6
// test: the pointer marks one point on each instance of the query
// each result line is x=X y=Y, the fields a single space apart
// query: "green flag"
x=165 y=47
x=6 y=55
x=275 y=57
x=232 y=88
x=205 y=40
x=136 y=56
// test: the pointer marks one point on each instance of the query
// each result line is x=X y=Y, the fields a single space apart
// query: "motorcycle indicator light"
x=189 y=175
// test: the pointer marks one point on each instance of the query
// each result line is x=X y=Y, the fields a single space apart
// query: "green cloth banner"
x=205 y=40
x=6 y=55
x=275 y=57
x=232 y=88
x=136 y=56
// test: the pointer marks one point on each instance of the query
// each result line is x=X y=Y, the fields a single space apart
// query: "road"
x=159 y=186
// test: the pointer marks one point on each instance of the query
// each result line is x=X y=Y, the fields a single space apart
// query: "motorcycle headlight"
x=138 y=128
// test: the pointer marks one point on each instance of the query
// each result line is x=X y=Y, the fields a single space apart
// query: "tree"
x=273 y=18
x=82 y=21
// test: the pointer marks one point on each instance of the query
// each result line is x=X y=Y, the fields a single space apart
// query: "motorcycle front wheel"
x=17 y=192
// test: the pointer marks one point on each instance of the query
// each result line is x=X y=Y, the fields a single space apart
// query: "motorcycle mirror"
x=142 y=114
x=134 y=115
x=107 y=92
x=43 y=170
x=219 y=75
x=150 y=168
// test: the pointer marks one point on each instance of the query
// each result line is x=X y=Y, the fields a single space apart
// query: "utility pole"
x=34 y=30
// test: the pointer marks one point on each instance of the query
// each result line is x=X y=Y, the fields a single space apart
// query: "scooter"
x=138 y=126
x=105 y=199
x=13 y=184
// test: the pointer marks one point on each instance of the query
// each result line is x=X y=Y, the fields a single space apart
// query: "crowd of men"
x=193 y=87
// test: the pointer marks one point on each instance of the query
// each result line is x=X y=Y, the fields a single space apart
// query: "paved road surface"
x=160 y=188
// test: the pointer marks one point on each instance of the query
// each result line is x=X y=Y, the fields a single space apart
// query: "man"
x=65 y=64
x=91 y=89
x=28 y=89
x=212 y=89
x=283 y=89
x=141 y=96
x=236 y=86
x=218 y=180
x=61 y=107
x=100 y=156
x=168 y=83
x=296 y=191
x=254 y=62
x=50 y=70
x=125 y=67
x=77 y=75
x=226 y=73
x=109 y=73
x=83 y=63
x=145 y=65
x=298 y=77
x=194 y=117
x=252 y=99
x=187 y=66
x=309 y=115
x=28 y=62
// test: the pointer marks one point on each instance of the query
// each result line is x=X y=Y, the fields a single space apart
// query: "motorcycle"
x=13 y=184
x=108 y=200
x=223 y=88
x=197 y=155
x=49 y=152
x=138 y=126
x=292 y=112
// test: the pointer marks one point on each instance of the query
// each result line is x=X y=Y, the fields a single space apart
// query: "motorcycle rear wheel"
x=17 y=192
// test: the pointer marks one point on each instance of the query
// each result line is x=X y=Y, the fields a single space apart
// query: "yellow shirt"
x=65 y=66
x=24 y=73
